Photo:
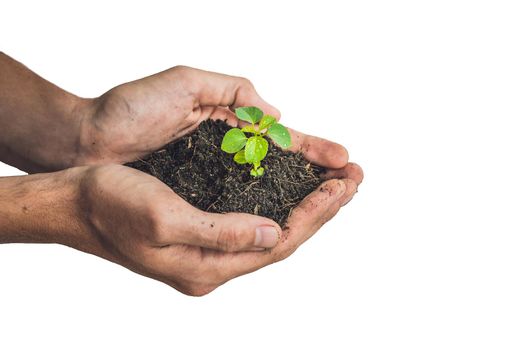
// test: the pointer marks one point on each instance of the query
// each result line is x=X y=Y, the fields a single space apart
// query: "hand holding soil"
x=142 y=224
x=180 y=230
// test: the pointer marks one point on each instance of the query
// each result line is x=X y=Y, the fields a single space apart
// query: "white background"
x=427 y=95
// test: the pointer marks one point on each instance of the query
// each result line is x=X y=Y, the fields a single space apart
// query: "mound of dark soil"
x=198 y=170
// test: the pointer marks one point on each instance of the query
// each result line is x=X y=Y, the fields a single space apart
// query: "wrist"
x=43 y=208
x=93 y=146
x=39 y=122
x=85 y=150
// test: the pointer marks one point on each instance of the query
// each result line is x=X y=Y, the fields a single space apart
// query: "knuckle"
x=187 y=88
x=228 y=240
x=184 y=75
x=181 y=69
x=245 y=83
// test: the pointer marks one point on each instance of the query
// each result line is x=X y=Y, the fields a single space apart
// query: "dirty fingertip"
x=351 y=189
x=333 y=188
x=351 y=171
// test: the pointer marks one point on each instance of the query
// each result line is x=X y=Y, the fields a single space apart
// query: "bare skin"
x=128 y=217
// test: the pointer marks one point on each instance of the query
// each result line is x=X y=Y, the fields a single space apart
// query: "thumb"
x=215 y=89
x=246 y=95
x=313 y=211
x=230 y=232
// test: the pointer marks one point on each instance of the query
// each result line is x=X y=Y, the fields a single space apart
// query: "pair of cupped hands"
x=140 y=223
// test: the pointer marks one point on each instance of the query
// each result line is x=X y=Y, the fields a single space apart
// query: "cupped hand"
x=139 y=117
x=340 y=185
x=140 y=223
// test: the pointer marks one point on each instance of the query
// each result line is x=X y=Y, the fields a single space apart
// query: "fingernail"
x=266 y=236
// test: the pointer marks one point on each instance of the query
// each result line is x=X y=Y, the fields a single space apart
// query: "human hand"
x=341 y=181
x=139 y=117
x=132 y=218
x=44 y=128
x=135 y=220
x=144 y=226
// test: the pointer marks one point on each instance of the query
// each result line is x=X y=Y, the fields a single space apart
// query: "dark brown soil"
x=198 y=170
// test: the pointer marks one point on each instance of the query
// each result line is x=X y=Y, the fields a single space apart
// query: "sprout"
x=253 y=149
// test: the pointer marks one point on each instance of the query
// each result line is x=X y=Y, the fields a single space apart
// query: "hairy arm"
x=40 y=208
x=39 y=122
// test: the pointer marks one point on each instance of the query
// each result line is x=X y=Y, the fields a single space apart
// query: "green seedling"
x=253 y=149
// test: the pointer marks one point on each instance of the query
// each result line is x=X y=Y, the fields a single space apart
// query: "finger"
x=214 y=113
x=210 y=112
x=215 y=89
x=319 y=151
x=350 y=171
x=229 y=232
x=315 y=210
x=224 y=114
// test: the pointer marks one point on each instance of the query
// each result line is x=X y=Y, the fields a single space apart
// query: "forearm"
x=40 y=124
x=42 y=208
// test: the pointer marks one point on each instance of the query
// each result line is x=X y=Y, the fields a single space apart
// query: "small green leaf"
x=239 y=157
x=256 y=149
x=249 y=128
x=266 y=121
x=257 y=173
x=280 y=135
x=249 y=114
x=233 y=141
